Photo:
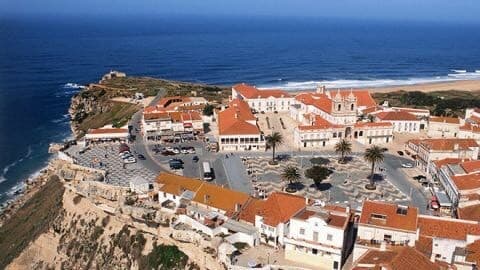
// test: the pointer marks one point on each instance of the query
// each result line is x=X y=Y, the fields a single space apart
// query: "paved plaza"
x=344 y=186
x=104 y=156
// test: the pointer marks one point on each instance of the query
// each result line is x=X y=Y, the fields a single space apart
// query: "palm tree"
x=374 y=155
x=273 y=140
x=291 y=175
x=343 y=147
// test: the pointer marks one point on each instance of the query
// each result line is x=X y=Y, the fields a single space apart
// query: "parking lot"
x=105 y=156
x=191 y=168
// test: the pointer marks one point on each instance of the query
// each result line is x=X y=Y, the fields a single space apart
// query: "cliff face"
x=84 y=104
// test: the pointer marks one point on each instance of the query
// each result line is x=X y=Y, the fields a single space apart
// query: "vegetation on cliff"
x=32 y=219
x=94 y=107
x=440 y=103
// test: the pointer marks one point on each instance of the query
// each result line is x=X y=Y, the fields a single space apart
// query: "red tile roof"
x=393 y=220
x=372 y=124
x=447 y=161
x=320 y=123
x=449 y=120
x=251 y=92
x=447 y=228
x=471 y=212
x=467 y=182
x=471 y=166
x=320 y=101
x=469 y=127
x=233 y=120
x=396 y=116
x=253 y=207
x=473 y=252
x=448 y=144
x=280 y=207
x=364 y=99
x=398 y=258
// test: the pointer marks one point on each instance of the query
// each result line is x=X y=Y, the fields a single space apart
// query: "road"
x=230 y=172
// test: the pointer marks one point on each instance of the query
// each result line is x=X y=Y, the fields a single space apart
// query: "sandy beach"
x=467 y=85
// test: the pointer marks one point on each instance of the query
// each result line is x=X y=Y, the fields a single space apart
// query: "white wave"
x=459 y=70
x=73 y=86
x=344 y=83
x=13 y=164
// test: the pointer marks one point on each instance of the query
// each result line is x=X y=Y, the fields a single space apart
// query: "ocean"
x=39 y=56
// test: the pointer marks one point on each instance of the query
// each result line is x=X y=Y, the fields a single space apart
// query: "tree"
x=318 y=174
x=343 y=147
x=291 y=175
x=208 y=110
x=374 y=155
x=273 y=140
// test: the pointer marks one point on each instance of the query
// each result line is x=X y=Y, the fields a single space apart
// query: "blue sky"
x=408 y=10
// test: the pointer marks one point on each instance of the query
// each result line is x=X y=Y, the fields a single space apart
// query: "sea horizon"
x=40 y=56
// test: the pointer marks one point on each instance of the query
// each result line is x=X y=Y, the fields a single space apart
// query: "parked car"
x=126 y=155
x=176 y=160
x=407 y=165
x=400 y=153
x=176 y=150
x=168 y=153
x=123 y=153
x=195 y=159
x=141 y=157
x=184 y=150
x=407 y=152
x=175 y=164
x=129 y=160
x=191 y=150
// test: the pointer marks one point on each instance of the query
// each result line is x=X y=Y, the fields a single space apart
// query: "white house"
x=140 y=185
x=268 y=100
x=428 y=150
x=382 y=222
x=319 y=237
x=238 y=130
x=403 y=122
x=443 y=127
x=273 y=221
x=107 y=133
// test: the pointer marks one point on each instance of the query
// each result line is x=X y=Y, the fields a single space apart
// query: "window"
x=329 y=237
x=402 y=210
x=315 y=236
x=302 y=231
x=352 y=107
x=339 y=108
x=314 y=251
x=387 y=237
x=378 y=216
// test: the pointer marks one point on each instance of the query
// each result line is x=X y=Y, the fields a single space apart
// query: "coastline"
x=23 y=189
x=459 y=85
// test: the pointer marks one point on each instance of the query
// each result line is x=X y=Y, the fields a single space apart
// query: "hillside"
x=440 y=103
x=93 y=107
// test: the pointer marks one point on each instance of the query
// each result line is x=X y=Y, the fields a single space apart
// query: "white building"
x=238 y=130
x=469 y=131
x=107 y=133
x=443 y=127
x=273 y=222
x=429 y=150
x=460 y=180
x=319 y=237
x=140 y=185
x=385 y=222
x=155 y=125
x=268 y=100
x=403 y=122
x=373 y=132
